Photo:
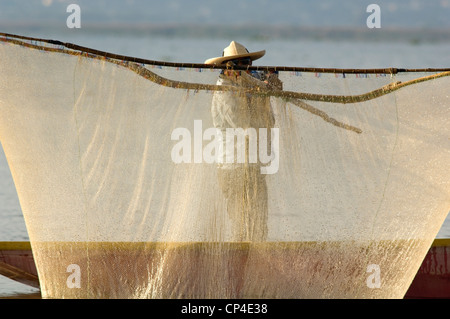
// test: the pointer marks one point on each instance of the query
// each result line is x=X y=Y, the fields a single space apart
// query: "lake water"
x=343 y=54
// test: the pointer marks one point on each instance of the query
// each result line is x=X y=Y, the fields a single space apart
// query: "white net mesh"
x=128 y=178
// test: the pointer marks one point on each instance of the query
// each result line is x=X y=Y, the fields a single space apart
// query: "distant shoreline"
x=255 y=32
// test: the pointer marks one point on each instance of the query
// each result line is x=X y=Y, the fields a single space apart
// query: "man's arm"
x=271 y=82
x=274 y=81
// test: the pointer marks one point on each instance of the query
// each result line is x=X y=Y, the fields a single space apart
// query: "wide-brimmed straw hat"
x=235 y=51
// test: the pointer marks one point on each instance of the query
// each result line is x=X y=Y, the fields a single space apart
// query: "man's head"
x=237 y=54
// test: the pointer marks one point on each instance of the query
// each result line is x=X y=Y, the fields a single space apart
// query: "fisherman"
x=242 y=182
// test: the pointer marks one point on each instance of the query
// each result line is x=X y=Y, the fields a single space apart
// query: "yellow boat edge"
x=26 y=245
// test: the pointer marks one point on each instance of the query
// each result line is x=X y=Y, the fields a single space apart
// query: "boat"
x=432 y=281
x=17 y=263
x=433 y=278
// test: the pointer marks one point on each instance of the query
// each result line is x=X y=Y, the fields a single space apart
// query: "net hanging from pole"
x=127 y=169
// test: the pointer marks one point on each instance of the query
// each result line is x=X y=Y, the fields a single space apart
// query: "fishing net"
x=143 y=179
